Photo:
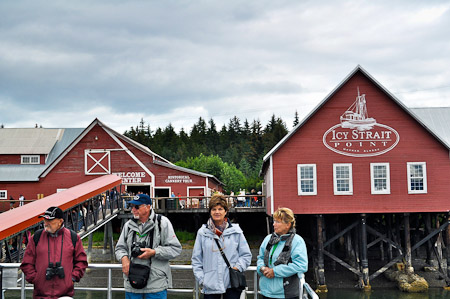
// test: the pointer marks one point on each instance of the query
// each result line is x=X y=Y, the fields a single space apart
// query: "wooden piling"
x=321 y=285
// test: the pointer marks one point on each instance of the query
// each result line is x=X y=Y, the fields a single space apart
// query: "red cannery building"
x=37 y=162
x=361 y=152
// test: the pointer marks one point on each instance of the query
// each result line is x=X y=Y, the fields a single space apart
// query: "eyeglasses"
x=135 y=206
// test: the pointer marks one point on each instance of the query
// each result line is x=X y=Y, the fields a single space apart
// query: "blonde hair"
x=218 y=200
x=285 y=215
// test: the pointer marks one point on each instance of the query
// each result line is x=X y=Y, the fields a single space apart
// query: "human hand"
x=147 y=253
x=267 y=272
x=125 y=265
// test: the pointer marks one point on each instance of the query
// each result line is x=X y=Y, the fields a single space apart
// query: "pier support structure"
x=320 y=267
x=364 y=258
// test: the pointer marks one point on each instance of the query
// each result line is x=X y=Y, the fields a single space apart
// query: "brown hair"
x=218 y=200
x=286 y=215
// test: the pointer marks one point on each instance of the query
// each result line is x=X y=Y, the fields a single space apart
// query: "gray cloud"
x=64 y=63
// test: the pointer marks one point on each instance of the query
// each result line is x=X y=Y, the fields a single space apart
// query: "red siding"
x=416 y=145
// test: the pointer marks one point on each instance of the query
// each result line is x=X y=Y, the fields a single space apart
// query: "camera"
x=136 y=249
x=53 y=270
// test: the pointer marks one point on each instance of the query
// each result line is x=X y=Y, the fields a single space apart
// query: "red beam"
x=19 y=219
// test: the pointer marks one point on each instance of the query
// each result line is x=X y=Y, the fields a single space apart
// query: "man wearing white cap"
x=54 y=258
x=146 y=244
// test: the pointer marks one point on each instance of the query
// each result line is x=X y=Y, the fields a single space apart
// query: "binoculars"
x=53 y=270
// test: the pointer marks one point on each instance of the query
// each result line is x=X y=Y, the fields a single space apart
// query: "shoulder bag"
x=237 y=278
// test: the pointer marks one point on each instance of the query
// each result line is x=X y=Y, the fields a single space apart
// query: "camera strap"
x=48 y=247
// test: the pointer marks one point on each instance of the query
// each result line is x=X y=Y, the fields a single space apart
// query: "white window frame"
x=350 y=178
x=30 y=159
x=424 y=171
x=5 y=192
x=299 y=179
x=387 y=178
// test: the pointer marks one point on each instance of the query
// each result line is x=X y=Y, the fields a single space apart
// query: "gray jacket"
x=210 y=269
x=165 y=244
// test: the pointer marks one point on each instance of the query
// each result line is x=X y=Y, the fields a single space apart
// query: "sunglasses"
x=135 y=206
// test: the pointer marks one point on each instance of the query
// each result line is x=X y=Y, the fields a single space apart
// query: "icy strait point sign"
x=359 y=135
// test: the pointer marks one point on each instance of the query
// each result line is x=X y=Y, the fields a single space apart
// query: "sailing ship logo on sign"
x=359 y=135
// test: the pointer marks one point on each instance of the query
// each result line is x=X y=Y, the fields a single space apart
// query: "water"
x=434 y=293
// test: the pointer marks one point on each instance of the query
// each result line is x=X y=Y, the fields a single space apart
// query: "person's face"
x=140 y=211
x=218 y=214
x=51 y=226
x=280 y=227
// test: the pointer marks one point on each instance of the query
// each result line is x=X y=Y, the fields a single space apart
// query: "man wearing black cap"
x=146 y=244
x=52 y=262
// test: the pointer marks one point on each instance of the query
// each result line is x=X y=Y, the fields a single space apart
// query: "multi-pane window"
x=307 y=179
x=35 y=159
x=380 y=178
x=343 y=180
x=3 y=194
x=417 y=177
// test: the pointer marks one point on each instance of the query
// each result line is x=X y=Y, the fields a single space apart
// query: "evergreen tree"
x=296 y=121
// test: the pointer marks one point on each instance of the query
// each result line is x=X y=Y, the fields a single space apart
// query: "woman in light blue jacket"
x=282 y=258
x=210 y=269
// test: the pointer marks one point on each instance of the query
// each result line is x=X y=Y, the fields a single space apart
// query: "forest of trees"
x=233 y=154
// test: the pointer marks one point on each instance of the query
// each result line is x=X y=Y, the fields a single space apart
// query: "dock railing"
x=18 y=284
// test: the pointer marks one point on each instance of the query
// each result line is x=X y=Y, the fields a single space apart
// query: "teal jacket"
x=278 y=287
x=210 y=269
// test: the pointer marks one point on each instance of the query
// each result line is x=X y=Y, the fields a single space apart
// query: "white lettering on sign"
x=131 y=176
x=178 y=179
x=359 y=135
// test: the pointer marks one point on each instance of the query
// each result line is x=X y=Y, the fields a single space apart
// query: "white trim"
x=30 y=157
x=208 y=190
x=387 y=178
x=272 y=197
x=6 y=194
x=424 y=171
x=107 y=154
x=314 y=178
x=350 y=179
x=139 y=162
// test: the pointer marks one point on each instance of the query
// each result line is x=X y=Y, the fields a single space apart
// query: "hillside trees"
x=233 y=154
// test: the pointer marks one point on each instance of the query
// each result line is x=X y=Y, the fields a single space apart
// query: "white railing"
x=304 y=287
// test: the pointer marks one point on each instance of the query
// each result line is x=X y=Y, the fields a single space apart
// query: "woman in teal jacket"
x=210 y=269
x=282 y=258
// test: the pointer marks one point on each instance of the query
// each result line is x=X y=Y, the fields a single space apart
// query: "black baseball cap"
x=53 y=213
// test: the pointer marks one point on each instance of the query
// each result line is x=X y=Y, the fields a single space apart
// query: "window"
x=343 y=181
x=417 y=177
x=3 y=194
x=307 y=179
x=380 y=178
x=31 y=159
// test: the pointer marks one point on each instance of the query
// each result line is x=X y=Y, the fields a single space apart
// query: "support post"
x=364 y=259
x=429 y=247
x=447 y=241
x=407 y=232
x=390 y=236
x=321 y=285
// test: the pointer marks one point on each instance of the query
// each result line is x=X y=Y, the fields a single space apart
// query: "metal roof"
x=20 y=173
x=27 y=173
x=437 y=119
x=28 y=141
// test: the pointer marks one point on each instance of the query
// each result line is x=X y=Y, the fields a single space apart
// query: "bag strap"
x=223 y=254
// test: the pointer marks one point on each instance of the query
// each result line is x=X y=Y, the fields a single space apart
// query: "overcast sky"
x=65 y=63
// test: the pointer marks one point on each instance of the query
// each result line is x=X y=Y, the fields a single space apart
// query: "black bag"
x=138 y=275
x=237 y=278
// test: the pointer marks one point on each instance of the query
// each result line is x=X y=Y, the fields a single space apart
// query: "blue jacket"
x=277 y=287
x=210 y=269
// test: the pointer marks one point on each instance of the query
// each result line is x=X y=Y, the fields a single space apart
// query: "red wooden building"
x=379 y=159
x=363 y=156
x=38 y=162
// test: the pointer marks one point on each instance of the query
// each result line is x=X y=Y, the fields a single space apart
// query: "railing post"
x=22 y=287
x=1 y=281
x=196 y=289
x=255 y=285
x=109 y=295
